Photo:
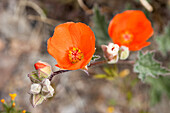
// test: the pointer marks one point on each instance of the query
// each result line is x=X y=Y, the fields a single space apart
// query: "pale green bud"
x=124 y=52
x=43 y=69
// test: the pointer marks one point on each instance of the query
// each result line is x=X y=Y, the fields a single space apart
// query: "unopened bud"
x=113 y=49
x=124 y=52
x=35 y=88
x=44 y=69
x=111 y=52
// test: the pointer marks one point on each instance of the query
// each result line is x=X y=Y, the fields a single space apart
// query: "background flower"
x=131 y=28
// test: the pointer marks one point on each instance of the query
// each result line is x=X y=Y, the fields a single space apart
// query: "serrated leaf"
x=146 y=65
x=164 y=41
x=100 y=27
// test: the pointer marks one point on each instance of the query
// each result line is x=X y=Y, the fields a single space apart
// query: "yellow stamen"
x=3 y=101
x=13 y=96
x=126 y=37
x=75 y=55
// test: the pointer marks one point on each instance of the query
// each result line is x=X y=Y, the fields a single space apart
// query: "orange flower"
x=72 y=45
x=130 y=28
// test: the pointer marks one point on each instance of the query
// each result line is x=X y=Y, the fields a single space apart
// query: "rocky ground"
x=23 y=36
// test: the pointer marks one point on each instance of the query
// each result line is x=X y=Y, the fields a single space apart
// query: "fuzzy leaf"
x=100 y=27
x=164 y=41
x=146 y=65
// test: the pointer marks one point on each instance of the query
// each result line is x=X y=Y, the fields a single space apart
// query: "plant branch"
x=92 y=64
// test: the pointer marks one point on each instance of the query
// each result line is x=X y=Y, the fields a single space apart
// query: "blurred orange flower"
x=72 y=45
x=131 y=29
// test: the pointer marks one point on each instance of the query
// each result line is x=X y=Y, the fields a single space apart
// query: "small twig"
x=146 y=4
x=37 y=8
x=92 y=64
x=126 y=62
x=97 y=63
x=84 y=7
x=44 y=20
x=56 y=73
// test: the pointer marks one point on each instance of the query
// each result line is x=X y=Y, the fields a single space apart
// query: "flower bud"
x=44 y=69
x=35 y=88
x=124 y=52
x=111 y=52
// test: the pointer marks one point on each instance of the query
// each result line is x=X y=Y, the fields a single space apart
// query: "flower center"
x=126 y=37
x=75 y=55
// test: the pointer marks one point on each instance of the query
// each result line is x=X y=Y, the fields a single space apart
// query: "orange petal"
x=138 y=46
x=83 y=37
x=67 y=36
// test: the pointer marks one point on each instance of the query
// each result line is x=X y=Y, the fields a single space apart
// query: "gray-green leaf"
x=146 y=65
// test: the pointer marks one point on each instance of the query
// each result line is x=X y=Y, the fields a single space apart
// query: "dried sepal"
x=37 y=99
x=47 y=89
x=35 y=88
x=34 y=77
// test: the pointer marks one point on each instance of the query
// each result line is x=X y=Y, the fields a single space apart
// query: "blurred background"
x=26 y=25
